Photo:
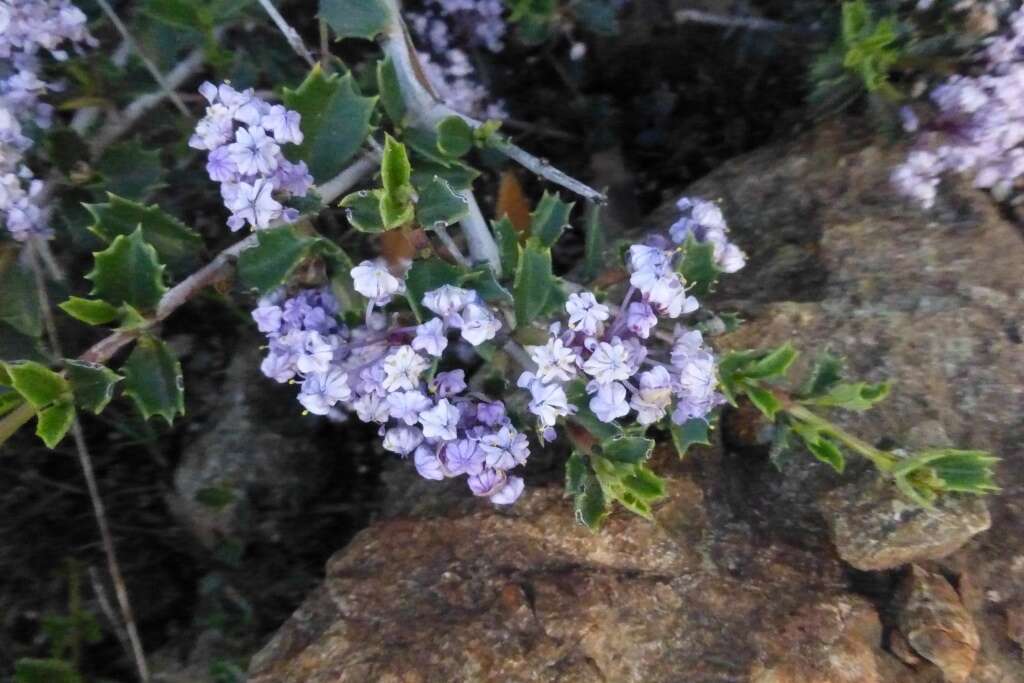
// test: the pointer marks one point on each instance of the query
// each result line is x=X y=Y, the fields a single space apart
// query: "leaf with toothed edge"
x=177 y=245
x=128 y=271
x=356 y=18
x=549 y=219
x=154 y=381
x=91 y=383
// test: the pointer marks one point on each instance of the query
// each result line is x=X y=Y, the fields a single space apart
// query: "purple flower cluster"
x=385 y=375
x=29 y=28
x=244 y=136
x=448 y=28
x=618 y=357
x=978 y=125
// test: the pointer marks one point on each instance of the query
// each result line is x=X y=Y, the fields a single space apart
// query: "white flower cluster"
x=618 y=357
x=244 y=135
x=27 y=29
x=387 y=376
x=448 y=28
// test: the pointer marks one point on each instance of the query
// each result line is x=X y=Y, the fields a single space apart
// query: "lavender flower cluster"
x=244 y=136
x=448 y=28
x=978 y=127
x=384 y=375
x=619 y=357
x=28 y=28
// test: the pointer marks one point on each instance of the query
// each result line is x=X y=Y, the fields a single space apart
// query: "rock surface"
x=740 y=579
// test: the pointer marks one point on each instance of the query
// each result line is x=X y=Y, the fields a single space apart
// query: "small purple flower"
x=509 y=493
x=462 y=457
x=487 y=482
x=448 y=384
x=428 y=464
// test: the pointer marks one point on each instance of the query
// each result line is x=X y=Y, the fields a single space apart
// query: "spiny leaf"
x=177 y=245
x=37 y=384
x=575 y=472
x=775 y=364
x=91 y=383
x=549 y=219
x=128 y=271
x=825 y=374
x=858 y=396
x=593 y=254
x=763 y=399
x=335 y=117
x=90 y=311
x=627 y=449
x=390 y=91
x=590 y=505
x=438 y=204
x=694 y=432
x=129 y=170
x=534 y=281
x=272 y=261
x=356 y=18
x=363 y=210
x=154 y=381
x=53 y=423
x=508 y=244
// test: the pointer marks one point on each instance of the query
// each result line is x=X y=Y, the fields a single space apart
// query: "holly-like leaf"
x=826 y=373
x=363 y=210
x=693 y=432
x=508 y=244
x=390 y=91
x=763 y=399
x=482 y=281
x=698 y=266
x=575 y=473
x=270 y=263
x=439 y=205
x=129 y=170
x=177 y=245
x=454 y=136
x=154 y=381
x=774 y=364
x=549 y=219
x=54 y=422
x=335 y=118
x=627 y=449
x=128 y=271
x=947 y=470
x=37 y=384
x=828 y=452
x=857 y=396
x=91 y=383
x=90 y=311
x=589 y=504
x=356 y=18
x=534 y=281
x=19 y=302
x=633 y=485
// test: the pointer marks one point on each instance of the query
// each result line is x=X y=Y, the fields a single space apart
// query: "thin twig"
x=290 y=34
x=107 y=609
x=85 y=461
x=449 y=244
x=150 y=66
x=696 y=16
x=325 y=47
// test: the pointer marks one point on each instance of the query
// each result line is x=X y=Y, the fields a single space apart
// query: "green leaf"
x=763 y=399
x=395 y=170
x=363 y=210
x=775 y=364
x=91 y=383
x=355 y=18
x=426 y=275
x=454 y=136
x=482 y=281
x=335 y=119
x=45 y=671
x=37 y=384
x=395 y=214
x=128 y=271
x=9 y=400
x=130 y=171
x=589 y=505
x=633 y=485
x=177 y=245
x=19 y=301
x=575 y=474
x=216 y=497
x=455 y=173
x=949 y=470
x=627 y=449
x=549 y=219
x=177 y=13
x=534 y=281
x=858 y=396
x=698 y=266
x=54 y=422
x=693 y=432
x=154 y=381
x=270 y=263
x=90 y=311
x=439 y=204
x=826 y=373
x=341 y=278
x=593 y=253
x=828 y=452
x=731 y=369
x=390 y=91
x=508 y=244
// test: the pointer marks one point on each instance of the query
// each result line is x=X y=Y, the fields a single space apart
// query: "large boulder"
x=748 y=573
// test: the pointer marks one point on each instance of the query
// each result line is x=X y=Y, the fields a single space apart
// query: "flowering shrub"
x=606 y=358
